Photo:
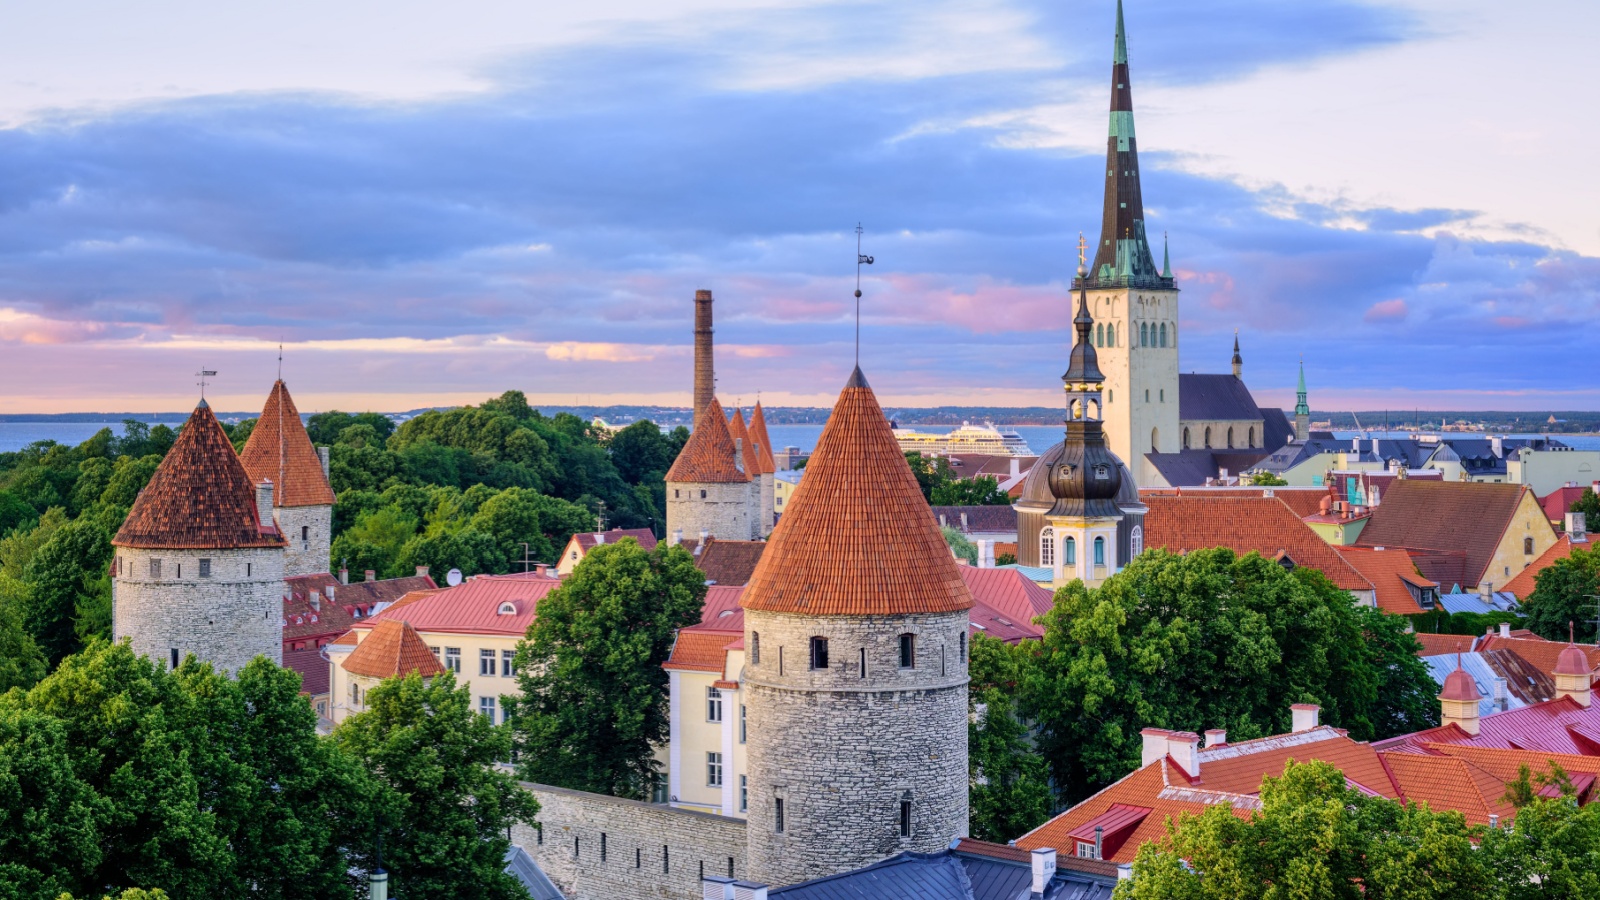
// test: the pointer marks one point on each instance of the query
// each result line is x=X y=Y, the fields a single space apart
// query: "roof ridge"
x=279 y=448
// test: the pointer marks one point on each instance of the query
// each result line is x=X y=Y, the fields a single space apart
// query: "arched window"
x=1186 y=439
x=1527 y=546
x=1155 y=443
x=1100 y=334
x=908 y=651
x=1163 y=334
x=1099 y=551
x=1136 y=541
x=1070 y=552
x=1047 y=547
x=819 y=653
x=1252 y=436
x=963 y=646
x=1208 y=437
x=755 y=648
x=1111 y=335
x=1144 y=334
x=1230 y=437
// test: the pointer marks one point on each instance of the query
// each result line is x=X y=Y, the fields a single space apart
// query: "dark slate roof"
x=1277 y=429
x=313 y=669
x=979 y=518
x=1205 y=397
x=969 y=873
x=1187 y=468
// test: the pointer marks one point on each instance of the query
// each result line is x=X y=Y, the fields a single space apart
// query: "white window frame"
x=713 y=704
x=452 y=659
x=713 y=769
x=486 y=662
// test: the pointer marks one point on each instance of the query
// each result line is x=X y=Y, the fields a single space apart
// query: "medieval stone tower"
x=1134 y=304
x=855 y=638
x=280 y=451
x=199 y=563
x=709 y=492
x=769 y=469
x=759 y=465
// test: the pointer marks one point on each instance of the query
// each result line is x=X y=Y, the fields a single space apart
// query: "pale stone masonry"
x=309 y=531
x=843 y=748
x=724 y=510
x=596 y=847
x=223 y=606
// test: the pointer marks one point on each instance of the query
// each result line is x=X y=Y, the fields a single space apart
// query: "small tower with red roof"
x=279 y=450
x=199 y=563
x=1572 y=675
x=1458 y=701
x=709 y=490
x=768 y=471
x=855 y=668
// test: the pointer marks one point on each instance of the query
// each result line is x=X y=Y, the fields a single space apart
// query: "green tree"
x=1010 y=793
x=960 y=545
x=1267 y=479
x=376 y=540
x=1313 y=837
x=642 y=452
x=239 y=435
x=129 y=476
x=1209 y=640
x=594 y=695
x=1550 y=852
x=47 y=815
x=1588 y=504
x=15 y=513
x=22 y=663
x=325 y=428
x=447 y=808
x=1564 y=593
x=981 y=491
x=65 y=571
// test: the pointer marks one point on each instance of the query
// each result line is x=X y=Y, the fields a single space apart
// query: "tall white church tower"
x=1134 y=305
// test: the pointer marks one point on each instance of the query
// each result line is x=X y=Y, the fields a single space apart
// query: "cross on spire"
x=861 y=260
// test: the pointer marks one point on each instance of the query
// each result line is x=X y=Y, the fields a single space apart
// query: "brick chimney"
x=372 y=575
x=1304 y=716
x=1216 y=737
x=316 y=601
x=1155 y=745
x=264 y=503
x=422 y=571
x=344 y=575
x=1184 y=748
x=705 y=379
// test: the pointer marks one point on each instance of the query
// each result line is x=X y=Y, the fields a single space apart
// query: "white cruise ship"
x=977 y=439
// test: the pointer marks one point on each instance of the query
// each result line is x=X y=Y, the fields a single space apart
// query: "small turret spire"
x=1166 y=257
x=1238 y=361
x=1120 y=54
x=1302 y=409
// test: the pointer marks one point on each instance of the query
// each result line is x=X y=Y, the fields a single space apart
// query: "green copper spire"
x=1301 y=407
x=1166 y=257
x=1121 y=52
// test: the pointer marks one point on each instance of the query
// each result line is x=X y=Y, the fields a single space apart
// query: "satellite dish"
x=452 y=577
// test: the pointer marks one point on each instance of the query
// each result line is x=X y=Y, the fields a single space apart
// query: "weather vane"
x=861 y=260
x=280 y=360
x=1083 y=261
x=203 y=374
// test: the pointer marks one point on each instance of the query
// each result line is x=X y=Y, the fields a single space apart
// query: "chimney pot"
x=316 y=601
x=372 y=575
x=1505 y=629
x=964 y=522
x=1216 y=737
x=541 y=569
x=677 y=537
x=1184 y=748
x=1044 y=868
x=344 y=575
x=422 y=571
x=322 y=456
x=714 y=887
x=1305 y=716
x=264 y=503
x=1155 y=745
x=1577 y=527
x=599 y=538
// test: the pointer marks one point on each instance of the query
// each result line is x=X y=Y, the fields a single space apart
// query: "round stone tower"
x=855 y=677
x=767 y=474
x=280 y=451
x=708 y=490
x=199 y=563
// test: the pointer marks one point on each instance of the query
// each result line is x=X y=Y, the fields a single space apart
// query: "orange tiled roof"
x=279 y=450
x=750 y=452
x=393 y=648
x=1439 y=644
x=1388 y=570
x=1263 y=524
x=1523 y=584
x=1466 y=516
x=708 y=457
x=700 y=651
x=729 y=562
x=199 y=498
x=301 y=620
x=758 y=432
x=1540 y=653
x=1450 y=783
x=857 y=538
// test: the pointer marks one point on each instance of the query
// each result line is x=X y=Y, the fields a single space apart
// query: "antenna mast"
x=861 y=260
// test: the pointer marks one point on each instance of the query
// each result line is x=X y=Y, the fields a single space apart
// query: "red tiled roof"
x=301 y=621
x=1389 y=571
x=199 y=498
x=393 y=648
x=857 y=537
x=313 y=669
x=1525 y=581
x=1466 y=516
x=1447 y=783
x=1111 y=828
x=1262 y=524
x=588 y=540
x=472 y=607
x=699 y=651
x=1558 y=503
x=1558 y=726
x=708 y=457
x=729 y=562
x=1541 y=654
x=750 y=451
x=1505 y=764
x=1439 y=644
x=279 y=450
x=758 y=433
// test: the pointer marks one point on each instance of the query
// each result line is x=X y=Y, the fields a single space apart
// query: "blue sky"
x=430 y=204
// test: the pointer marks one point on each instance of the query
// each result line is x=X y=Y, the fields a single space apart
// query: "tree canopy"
x=1010 y=792
x=594 y=695
x=942 y=487
x=1565 y=592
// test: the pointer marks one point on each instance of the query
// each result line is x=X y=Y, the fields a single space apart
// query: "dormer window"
x=508 y=608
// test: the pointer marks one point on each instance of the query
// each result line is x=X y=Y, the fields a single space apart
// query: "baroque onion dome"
x=280 y=450
x=200 y=497
x=857 y=539
x=1087 y=477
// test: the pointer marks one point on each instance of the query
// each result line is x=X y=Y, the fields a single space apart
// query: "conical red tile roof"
x=199 y=498
x=758 y=433
x=393 y=648
x=708 y=456
x=741 y=438
x=280 y=451
x=857 y=539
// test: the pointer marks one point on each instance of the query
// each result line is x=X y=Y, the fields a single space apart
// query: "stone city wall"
x=596 y=847
x=728 y=511
x=227 y=617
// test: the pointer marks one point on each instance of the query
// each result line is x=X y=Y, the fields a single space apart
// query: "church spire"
x=1238 y=361
x=1166 y=257
x=1302 y=409
x=1123 y=257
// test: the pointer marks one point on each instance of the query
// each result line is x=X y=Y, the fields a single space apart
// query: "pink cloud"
x=1387 y=311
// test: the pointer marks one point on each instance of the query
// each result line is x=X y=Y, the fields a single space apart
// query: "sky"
x=431 y=203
